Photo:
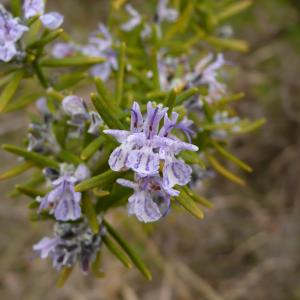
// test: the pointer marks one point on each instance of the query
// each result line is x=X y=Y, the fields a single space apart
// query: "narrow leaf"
x=32 y=156
x=130 y=252
x=115 y=250
x=233 y=9
x=105 y=112
x=46 y=40
x=10 y=89
x=170 y=100
x=63 y=276
x=96 y=181
x=189 y=204
x=71 y=61
x=19 y=169
x=231 y=157
x=196 y=197
x=90 y=213
x=92 y=147
x=120 y=75
x=223 y=171
x=30 y=192
x=186 y=95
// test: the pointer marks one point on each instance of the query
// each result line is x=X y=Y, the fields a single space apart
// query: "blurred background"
x=248 y=247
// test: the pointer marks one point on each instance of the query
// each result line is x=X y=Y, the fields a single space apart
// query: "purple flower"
x=76 y=108
x=61 y=50
x=33 y=8
x=46 y=246
x=135 y=20
x=206 y=72
x=150 y=200
x=165 y=14
x=52 y=20
x=7 y=51
x=10 y=32
x=145 y=146
x=101 y=47
x=72 y=243
x=62 y=200
x=10 y=28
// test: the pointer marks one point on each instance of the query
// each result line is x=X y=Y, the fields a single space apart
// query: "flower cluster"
x=99 y=45
x=143 y=149
x=173 y=142
x=72 y=243
x=11 y=30
x=62 y=201
x=51 y=20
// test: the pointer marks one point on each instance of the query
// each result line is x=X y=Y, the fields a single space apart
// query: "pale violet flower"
x=71 y=243
x=206 y=72
x=61 y=50
x=101 y=47
x=33 y=8
x=7 y=51
x=96 y=122
x=134 y=21
x=150 y=200
x=163 y=13
x=10 y=28
x=144 y=146
x=62 y=201
x=76 y=108
x=52 y=20
x=222 y=117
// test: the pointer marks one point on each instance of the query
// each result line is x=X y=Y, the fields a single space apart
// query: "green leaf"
x=10 y=89
x=90 y=213
x=182 y=22
x=186 y=95
x=22 y=102
x=231 y=157
x=128 y=249
x=233 y=9
x=38 y=159
x=189 y=204
x=16 y=7
x=115 y=250
x=71 y=61
x=30 y=192
x=120 y=75
x=253 y=126
x=105 y=112
x=196 y=197
x=63 y=276
x=96 y=266
x=223 y=171
x=69 y=157
x=170 y=101
x=46 y=40
x=92 y=147
x=96 y=181
x=17 y=170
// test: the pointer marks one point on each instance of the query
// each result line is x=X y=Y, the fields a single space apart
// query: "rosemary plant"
x=157 y=120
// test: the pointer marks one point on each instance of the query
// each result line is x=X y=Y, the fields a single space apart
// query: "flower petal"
x=144 y=161
x=45 y=246
x=136 y=118
x=118 y=158
x=52 y=20
x=176 y=172
x=142 y=206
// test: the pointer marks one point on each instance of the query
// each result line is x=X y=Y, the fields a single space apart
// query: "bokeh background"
x=248 y=247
